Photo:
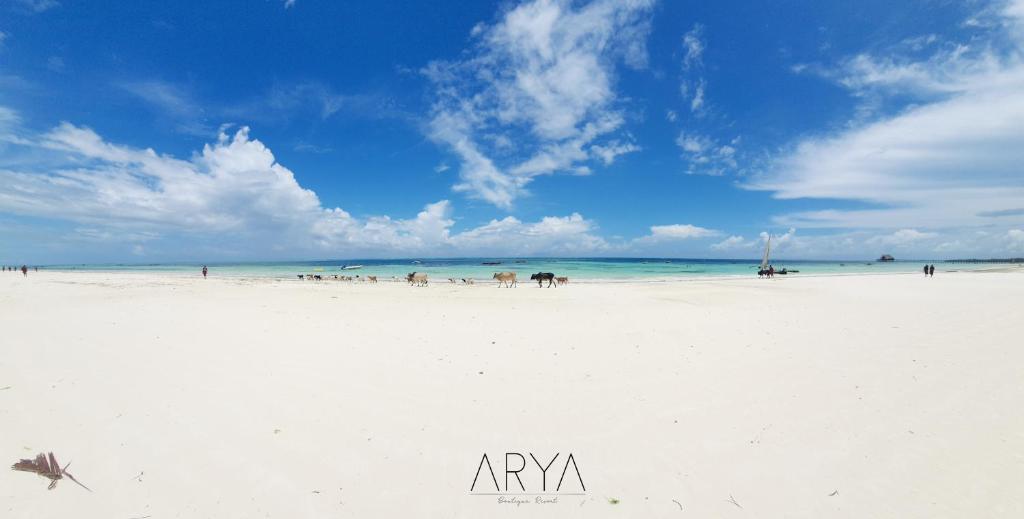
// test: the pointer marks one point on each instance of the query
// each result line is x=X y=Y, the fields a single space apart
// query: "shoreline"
x=639 y=280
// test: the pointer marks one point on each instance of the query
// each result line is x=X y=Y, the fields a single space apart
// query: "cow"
x=301 y=277
x=544 y=276
x=417 y=279
x=371 y=279
x=467 y=281
x=451 y=280
x=508 y=278
x=562 y=280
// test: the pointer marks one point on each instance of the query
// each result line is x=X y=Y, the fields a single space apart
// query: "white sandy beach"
x=888 y=396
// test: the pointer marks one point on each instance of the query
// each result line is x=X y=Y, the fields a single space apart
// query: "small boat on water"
x=491 y=263
x=351 y=267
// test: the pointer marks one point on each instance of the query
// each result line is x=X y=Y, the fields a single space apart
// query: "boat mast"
x=767 y=249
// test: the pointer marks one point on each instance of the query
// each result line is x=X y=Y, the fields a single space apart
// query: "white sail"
x=767 y=249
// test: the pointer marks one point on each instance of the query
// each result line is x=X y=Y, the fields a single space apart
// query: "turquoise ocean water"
x=637 y=269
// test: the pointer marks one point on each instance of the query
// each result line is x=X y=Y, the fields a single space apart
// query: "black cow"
x=542 y=276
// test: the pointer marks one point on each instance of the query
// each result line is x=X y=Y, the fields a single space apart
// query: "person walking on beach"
x=24 y=271
x=926 y=270
x=204 y=271
x=931 y=271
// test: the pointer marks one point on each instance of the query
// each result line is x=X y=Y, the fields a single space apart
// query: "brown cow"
x=508 y=278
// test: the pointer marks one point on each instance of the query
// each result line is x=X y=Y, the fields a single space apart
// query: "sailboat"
x=767 y=251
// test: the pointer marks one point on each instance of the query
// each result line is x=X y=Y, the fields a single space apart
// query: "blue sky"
x=173 y=131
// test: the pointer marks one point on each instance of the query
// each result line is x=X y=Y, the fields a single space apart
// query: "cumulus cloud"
x=543 y=77
x=950 y=160
x=235 y=195
x=551 y=235
x=733 y=243
x=867 y=245
x=661 y=234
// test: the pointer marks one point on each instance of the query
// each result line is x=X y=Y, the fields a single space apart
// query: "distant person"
x=931 y=271
x=771 y=271
x=24 y=271
x=926 y=270
x=204 y=271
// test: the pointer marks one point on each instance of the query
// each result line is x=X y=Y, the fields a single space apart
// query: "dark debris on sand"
x=45 y=465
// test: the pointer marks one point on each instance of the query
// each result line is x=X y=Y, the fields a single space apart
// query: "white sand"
x=239 y=399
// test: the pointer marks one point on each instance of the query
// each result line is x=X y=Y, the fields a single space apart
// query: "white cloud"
x=693 y=84
x=543 y=77
x=550 y=236
x=902 y=237
x=952 y=160
x=173 y=104
x=697 y=102
x=288 y=4
x=920 y=42
x=609 y=153
x=705 y=156
x=693 y=143
x=1015 y=240
x=951 y=246
x=671 y=116
x=779 y=241
x=37 y=6
x=165 y=96
x=694 y=46
x=675 y=232
x=236 y=196
x=733 y=243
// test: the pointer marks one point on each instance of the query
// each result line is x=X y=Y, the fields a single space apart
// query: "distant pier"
x=991 y=260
